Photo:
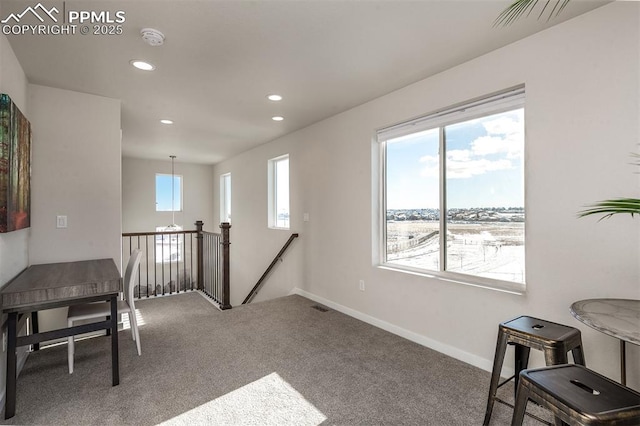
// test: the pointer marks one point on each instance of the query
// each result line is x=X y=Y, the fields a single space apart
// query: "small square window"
x=168 y=196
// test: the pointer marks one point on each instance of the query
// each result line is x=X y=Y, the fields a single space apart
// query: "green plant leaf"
x=615 y=206
x=519 y=8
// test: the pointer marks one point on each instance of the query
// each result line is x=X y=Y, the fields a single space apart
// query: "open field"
x=491 y=250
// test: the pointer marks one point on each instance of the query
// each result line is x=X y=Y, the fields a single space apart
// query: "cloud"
x=504 y=125
x=510 y=145
x=498 y=149
x=461 y=164
x=505 y=135
x=431 y=167
x=467 y=169
x=459 y=155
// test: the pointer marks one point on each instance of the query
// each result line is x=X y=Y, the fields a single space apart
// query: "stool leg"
x=498 y=359
x=520 y=406
x=578 y=355
x=522 y=360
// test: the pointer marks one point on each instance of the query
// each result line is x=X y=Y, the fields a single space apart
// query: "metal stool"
x=555 y=340
x=577 y=396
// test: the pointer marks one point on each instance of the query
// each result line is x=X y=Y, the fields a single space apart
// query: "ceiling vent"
x=152 y=37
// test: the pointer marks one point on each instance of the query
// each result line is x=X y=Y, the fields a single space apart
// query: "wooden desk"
x=619 y=318
x=55 y=285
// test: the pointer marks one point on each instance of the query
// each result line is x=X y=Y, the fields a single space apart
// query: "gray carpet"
x=272 y=363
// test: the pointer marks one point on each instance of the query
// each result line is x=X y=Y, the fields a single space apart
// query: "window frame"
x=272 y=182
x=508 y=100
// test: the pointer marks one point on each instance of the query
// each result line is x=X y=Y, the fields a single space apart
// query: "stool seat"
x=542 y=335
x=526 y=333
x=578 y=396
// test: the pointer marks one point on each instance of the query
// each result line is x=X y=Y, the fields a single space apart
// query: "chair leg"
x=578 y=355
x=134 y=330
x=70 y=348
x=522 y=397
x=501 y=348
x=521 y=362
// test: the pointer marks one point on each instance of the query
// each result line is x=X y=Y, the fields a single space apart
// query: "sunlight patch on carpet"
x=126 y=324
x=267 y=401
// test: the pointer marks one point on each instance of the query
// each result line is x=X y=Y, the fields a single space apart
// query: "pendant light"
x=173 y=226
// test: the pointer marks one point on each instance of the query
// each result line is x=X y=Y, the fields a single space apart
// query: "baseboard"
x=451 y=351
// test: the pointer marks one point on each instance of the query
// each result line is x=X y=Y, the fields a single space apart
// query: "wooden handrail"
x=256 y=287
x=142 y=234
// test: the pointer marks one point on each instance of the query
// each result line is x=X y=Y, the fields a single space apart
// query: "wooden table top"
x=56 y=284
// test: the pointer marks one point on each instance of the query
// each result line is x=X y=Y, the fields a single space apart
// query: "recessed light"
x=274 y=98
x=277 y=118
x=165 y=121
x=142 y=65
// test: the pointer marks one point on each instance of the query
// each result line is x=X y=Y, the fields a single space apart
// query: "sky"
x=163 y=193
x=485 y=165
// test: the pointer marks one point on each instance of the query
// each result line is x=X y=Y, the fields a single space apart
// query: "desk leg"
x=12 y=336
x=114 y=341
x=34 y=328
x=623 y=363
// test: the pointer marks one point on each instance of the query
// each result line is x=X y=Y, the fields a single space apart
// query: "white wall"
x=139 y=192
x=76 y=162
x=14 y=251
x=253 y=244
x=75 y=172
x=14 y=246
x=582 y=87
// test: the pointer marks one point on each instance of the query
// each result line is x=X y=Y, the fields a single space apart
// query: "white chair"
x=103 y=309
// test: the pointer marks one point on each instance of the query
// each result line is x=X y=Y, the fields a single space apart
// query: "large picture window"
x=453 y=193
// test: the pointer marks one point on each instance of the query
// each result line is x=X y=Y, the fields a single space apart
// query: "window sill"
x=451 y=277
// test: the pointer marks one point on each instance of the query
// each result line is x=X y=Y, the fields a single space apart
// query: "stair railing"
x=177 y=261
x=213 y=264
x=256 y=287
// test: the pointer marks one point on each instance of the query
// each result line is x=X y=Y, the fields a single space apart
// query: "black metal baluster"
x=146 y=253
x=139 y=275
x=162 y=263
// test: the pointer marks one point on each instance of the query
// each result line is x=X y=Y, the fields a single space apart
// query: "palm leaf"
x=610 y=207
x=520 y=8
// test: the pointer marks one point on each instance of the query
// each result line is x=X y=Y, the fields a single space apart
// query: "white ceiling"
x=221 y=58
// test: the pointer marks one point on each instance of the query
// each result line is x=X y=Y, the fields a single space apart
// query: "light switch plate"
x=61 y=221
